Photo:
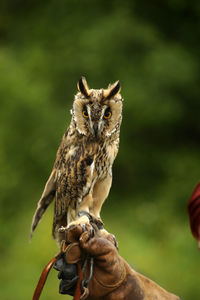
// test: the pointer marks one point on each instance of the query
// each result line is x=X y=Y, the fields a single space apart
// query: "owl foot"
x=72 y=232
x=96 y=222
x=84 y=223
x=83 y=219
x=62 y=229
x=80 y=221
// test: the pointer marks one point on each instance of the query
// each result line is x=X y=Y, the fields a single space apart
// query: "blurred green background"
x=153 y=48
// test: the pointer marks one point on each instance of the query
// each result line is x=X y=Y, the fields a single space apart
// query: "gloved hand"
x=112 y=277
x=68 y=274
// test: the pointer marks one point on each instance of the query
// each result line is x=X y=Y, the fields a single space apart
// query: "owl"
x=81 y=177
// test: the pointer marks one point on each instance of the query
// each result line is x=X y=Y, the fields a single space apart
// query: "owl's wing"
x=46 y=198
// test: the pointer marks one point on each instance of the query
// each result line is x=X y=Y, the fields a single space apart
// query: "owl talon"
x=83 y=227
x=88 y=228
x=62 y=229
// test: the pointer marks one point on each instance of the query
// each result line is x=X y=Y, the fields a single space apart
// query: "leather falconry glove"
x=112 y=278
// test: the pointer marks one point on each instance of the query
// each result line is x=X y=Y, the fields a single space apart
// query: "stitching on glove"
x=123 y=276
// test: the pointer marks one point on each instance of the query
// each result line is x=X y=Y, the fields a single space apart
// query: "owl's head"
x=97 y=113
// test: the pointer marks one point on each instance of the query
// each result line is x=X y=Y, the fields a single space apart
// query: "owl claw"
x=88 y=228
x=62 y=229
x=83 y=227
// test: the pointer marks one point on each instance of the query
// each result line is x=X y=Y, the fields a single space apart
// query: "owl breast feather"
x=78 y=172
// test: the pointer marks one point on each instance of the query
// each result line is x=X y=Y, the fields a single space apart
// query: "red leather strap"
x=43 y=278
x=44 y=275
x=77 y=293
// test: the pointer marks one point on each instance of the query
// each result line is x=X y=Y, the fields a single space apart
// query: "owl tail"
x=45 y=200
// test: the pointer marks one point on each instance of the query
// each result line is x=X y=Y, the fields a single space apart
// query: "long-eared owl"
x=82 y=173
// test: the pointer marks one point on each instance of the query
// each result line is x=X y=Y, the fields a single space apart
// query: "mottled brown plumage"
x=82 y=173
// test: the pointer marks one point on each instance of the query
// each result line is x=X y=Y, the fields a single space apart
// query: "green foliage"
x=152 y=47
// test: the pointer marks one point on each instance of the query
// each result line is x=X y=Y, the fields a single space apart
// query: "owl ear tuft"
x=83 y=87
x=112 y=90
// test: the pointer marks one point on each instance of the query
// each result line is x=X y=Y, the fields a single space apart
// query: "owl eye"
x=85 y=114
x=107 y=113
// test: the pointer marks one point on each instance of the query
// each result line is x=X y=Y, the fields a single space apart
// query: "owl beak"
x=95 y=128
